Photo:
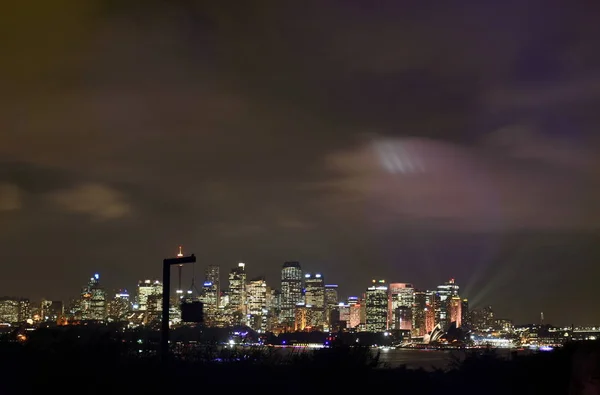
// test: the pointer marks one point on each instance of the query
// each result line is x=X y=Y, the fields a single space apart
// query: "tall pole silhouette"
x=167 y=263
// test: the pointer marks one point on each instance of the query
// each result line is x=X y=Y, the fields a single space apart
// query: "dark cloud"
x=257 y=132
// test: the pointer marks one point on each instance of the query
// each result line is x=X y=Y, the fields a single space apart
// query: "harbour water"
x=420 y=358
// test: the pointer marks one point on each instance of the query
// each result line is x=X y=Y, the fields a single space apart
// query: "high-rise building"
x=403 y=318
x=401 y=299
x=355 y=312
x=331 y=295
x=212 y=276
x=274 y=304
x=444 y=293
x=210 y=298
x=344 y=314
x=119 y=307
x=376 y=299
x=331 y=300
x=237 y=294
x=51 y=310
x=291 y=291
x=464 y=313
x=302 y=317
x=93 y=300
x=257 y=304
x=419 y=313
x=314 y=297
x=148 y=292
x=454 y=310
x=14 y=310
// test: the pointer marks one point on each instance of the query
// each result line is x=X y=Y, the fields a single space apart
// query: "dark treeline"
x=94 y=361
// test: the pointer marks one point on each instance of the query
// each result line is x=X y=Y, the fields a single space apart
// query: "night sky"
x=408 y=140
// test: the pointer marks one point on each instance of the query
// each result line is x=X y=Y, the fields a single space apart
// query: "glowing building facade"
x=237 y=293
x=314 y=297
x=401 y=300
x=119 y=307
x=377 y=310
x=93 y=300
x=291 y=291
x=442 y=302
x=257 y=304
x=455 y=310
x=14 y=310
x=148 y=292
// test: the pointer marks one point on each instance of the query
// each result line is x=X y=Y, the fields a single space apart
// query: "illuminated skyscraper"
x=464 y=313
x=93 y=300
x=419 y=313
x=212 y=275
x=237 y=292
x=302 y=317
x=257 y=304
x=211 y=294
x=291 y=291
x=454 y=310
x=344 y=313
x=209 y=297
x=401 y=299
x=51 y=310
x=331 y=295
x=354 y=311
x=441 y=304
x=315 y=297
x=331 y=301
x=14 y=310
x=119 y=307
x=376 y=299
x=148 y=292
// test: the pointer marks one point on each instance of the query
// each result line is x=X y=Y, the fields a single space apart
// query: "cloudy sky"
x=413 y=142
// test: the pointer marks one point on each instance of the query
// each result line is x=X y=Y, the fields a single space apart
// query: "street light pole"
x=164 y=337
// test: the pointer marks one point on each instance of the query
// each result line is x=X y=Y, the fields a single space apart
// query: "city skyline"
x=397 y=141
x=274 y=281
x=225 y=281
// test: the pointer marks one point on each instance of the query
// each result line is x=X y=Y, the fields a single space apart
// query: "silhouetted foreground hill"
x=100 y=364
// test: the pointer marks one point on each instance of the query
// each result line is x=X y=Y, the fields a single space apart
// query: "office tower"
x=275 y=302
x=419 y=313
x=402 y=318
x=464 y=312
x=224 y=299
x=149 y=293
x=376 y=299
x=444 y=293
x=237 y=294
x=93 y=300
x=257 y=304
x=430 y=317
x=212 y=276
x=354 y=311
x=119 y=307
x=209 y=295
x=14 y=310
x=51 y=310
x=291 y=291
x=314 y=296
x=454 y=310
x=343 y=315
x=331 y=295
x=401 y=300
x=487 y=318
x=331 y=300
x=237 y=287
x=302 y=317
